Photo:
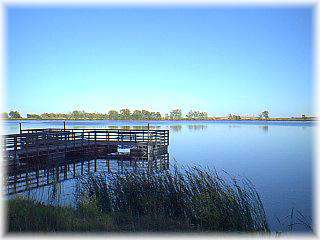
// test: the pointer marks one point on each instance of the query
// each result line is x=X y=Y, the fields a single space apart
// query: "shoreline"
x=173 y=120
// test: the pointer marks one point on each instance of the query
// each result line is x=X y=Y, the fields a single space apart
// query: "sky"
x=221 y=60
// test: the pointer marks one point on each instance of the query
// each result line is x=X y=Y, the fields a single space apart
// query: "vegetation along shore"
x=189 y=200
x=142 y=115
x=192 y=200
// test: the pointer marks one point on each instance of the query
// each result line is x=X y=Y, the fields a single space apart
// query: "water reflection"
x=234 y=126
x=175 y=128
x=127 y=127
x=265 y=128
x=197 y=127
x=28 y=178
x=124 y=127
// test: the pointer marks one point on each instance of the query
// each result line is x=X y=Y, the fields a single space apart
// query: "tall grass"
x=189 y=200
x=26 y=215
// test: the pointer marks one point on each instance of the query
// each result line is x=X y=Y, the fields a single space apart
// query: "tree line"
x=127 y=114
x=123 y=114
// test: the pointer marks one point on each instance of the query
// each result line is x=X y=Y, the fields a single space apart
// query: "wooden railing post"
x=156 y=138
x=15 y=148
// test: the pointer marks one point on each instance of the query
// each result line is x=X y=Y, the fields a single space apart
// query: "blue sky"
x=216 y=59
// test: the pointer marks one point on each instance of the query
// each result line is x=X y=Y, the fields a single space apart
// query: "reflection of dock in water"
x=33 y=177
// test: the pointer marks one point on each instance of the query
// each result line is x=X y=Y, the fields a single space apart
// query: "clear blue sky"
x=220 y=60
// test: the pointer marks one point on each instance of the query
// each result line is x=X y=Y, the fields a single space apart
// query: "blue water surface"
x=276 y=156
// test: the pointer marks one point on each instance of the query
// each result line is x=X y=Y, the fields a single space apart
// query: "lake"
x=276 y=156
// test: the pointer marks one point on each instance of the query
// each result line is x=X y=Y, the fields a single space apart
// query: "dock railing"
x=36 y=138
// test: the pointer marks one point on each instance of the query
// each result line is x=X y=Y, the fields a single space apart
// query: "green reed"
x=189 y=200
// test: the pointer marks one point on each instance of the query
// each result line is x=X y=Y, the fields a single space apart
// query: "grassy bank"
x=193 y=200
x=29 y=216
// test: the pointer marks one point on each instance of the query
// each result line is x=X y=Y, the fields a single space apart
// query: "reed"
x=191 y=200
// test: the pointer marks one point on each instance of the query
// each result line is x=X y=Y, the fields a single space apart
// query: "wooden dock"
x=50 y=146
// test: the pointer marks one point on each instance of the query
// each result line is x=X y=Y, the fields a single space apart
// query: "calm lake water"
x=276 y=156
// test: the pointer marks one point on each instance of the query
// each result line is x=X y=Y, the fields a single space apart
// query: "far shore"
x=170 y=120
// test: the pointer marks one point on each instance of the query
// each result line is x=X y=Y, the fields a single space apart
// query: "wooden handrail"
x=52 y=136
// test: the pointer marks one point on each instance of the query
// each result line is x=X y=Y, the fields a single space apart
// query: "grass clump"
x=192 y=200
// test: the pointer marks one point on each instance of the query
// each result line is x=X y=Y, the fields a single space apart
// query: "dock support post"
x=64 y=125
x=20 y=127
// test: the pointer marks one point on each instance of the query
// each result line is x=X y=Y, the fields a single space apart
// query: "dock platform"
x=50 y=145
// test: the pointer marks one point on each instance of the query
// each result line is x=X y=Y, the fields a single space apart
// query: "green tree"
x=146 y=115
x=197 y=115
x=203 y=115
x=158 y=116
x=190 y=115
x=14 y=114
x=125 y=114
x=264 y=114
x=33 y=116
x=234 y=117
x=78 y=114
x=176 y=114
x=137 y=115
x=113 y=115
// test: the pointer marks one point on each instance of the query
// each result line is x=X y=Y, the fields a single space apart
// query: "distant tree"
x=265 y=114
x=197 y=115
x=234 y=117
x=4 y=115
x=176 y=114
x=125 y=114
x=33 y=116
x=158 y=116
x=203 y=115
x=146 y=115
x=137 y=115
x=14 y=114
x=190 y=115
x=77 y=114
x=113 y=115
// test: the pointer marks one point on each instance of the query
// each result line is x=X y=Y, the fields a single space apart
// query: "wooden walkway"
x=46 y=146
